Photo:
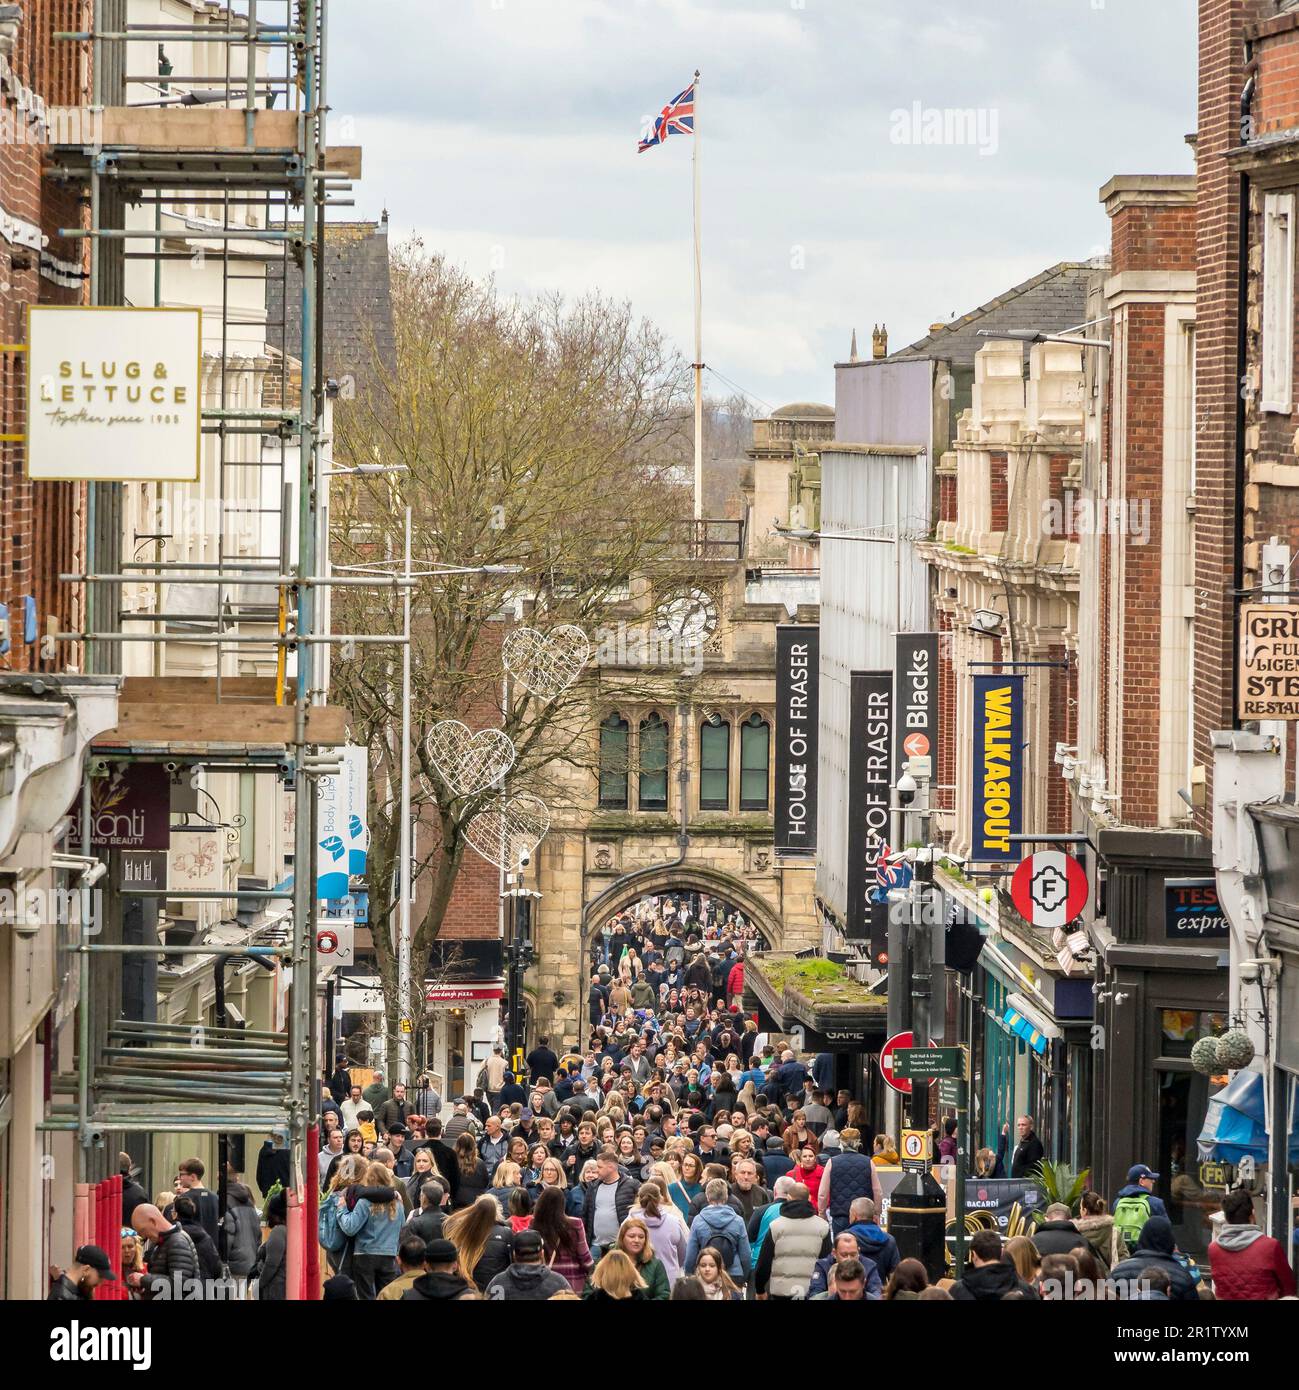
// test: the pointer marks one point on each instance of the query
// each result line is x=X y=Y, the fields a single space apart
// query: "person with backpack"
x=1136 y=1203
x=720 y=1227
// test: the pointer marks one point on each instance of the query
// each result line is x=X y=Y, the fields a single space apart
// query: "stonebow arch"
x=665 y=878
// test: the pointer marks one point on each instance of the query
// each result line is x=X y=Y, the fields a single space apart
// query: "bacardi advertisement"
x=870 y=731
x=798 y=651
x=915 y=734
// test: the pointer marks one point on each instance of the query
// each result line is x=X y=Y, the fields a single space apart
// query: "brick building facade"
x=42 y=525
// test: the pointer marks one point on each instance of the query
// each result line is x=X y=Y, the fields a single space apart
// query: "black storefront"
x=1162 y=983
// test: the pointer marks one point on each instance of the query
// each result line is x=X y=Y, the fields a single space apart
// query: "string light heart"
x=467 y=761
x=508 y=830
x=546 y=663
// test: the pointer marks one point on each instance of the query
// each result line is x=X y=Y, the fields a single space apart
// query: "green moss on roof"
x=821 y=982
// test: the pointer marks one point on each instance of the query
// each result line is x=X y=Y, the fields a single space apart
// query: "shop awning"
x=1027 y=1023
x=1235 y=1123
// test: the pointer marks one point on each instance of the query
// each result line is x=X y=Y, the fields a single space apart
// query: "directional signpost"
x=950 y=1067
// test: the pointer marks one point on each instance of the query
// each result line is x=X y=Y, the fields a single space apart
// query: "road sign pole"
x=962 y=1158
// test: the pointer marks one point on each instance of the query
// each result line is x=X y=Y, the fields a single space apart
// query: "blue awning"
x=1234 y=1124
x=1022 y=1028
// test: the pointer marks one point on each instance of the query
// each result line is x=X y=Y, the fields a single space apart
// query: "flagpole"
x=699 y=330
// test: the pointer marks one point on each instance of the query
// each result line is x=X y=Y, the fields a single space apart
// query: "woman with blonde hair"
x=710 y=1270
x=748 y=1098
x=482 y=1240
x=504 y=1180
x=634 y=1241
x=373 y=1222
x=1023 y=1254
x=886 y=1152
x=615 y=1280
x=667 y=1228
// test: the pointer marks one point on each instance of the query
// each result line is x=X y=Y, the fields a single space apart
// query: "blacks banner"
x=915 y=733
x=798 y=664
x=870 y=742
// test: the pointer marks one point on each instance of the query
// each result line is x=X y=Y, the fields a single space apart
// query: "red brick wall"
x=947 y=497
x=1063 y=728
x=1000 y=517
x=1145 y=237
x=1276 y=103
x=472 y=914
x=41 y=524
x=1221 y=80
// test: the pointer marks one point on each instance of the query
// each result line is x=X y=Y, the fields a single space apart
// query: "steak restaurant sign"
x=1269 y=661
x=113 y=394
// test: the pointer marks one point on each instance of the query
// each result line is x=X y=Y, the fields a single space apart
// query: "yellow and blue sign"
x=998 y=803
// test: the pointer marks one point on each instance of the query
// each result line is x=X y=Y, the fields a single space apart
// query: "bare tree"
x=544 y=437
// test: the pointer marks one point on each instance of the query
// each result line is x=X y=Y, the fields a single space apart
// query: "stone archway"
x=665 y=878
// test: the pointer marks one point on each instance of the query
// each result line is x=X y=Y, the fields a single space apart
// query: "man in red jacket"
x=1246 y=1264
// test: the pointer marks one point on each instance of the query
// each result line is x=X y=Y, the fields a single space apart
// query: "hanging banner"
x=129 y=809
x=998 y=802
x=915 y=734
x=341 y=834
x=798 y=659
x=1268 y=683
x=113 y=393
x=870 y=742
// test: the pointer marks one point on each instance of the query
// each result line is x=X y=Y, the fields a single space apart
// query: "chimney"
x=880 y=342
x=852 y=351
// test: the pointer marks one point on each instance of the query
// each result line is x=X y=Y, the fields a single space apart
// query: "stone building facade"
x=674 y=789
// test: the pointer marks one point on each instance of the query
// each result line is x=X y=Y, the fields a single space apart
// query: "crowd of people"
x=677 y=1156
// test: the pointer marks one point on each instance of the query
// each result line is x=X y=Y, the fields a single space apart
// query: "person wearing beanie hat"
x=442 y=1280
x=338 y=1289
x=527 y=1279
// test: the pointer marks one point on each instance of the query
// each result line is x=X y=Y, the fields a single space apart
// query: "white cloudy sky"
x=504 y=132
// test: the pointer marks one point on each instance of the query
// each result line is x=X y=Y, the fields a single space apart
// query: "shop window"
x=755 y=751
x=1181 y=1029
x=714 y=766
x=653 y=788
x=613 y=763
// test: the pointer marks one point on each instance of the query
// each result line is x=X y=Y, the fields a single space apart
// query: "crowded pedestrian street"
x=648 y=654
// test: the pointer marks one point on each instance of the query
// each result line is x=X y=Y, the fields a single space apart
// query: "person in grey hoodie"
x=243 y=1229
x=527 y=1279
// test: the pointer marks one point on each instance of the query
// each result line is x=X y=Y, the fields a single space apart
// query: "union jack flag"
x=889 y=875
x=676 y=118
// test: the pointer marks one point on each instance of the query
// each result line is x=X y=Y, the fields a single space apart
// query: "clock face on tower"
x=688 y=614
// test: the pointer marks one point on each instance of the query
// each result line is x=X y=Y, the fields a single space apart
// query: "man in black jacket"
x=190 y=1183
x=989 y=1277
x=77 y=1284
x=1057 y=1235
x=169 y=1256
x=427 y=1222
x=209 y=1260
x=132 y=1193
x=1029 y=1151
x=542 y=1061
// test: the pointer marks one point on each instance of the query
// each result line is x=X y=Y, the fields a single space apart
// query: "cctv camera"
x=525 y=858
x=906 y=789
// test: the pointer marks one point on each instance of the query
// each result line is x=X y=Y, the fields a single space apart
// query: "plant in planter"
x=1057 y=1182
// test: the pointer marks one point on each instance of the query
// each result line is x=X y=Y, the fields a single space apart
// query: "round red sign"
x=1049 y=889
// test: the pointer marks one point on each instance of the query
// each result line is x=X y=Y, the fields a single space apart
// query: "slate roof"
x=358 y=300
x=1054 y=300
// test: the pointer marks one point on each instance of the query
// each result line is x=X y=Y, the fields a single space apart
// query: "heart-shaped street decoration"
x=467 y=761
x=546 y=663
x=508 y=830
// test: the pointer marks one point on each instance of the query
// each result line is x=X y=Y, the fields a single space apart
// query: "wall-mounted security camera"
x=987 y=620
x=906 y=789
x=525 y=858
